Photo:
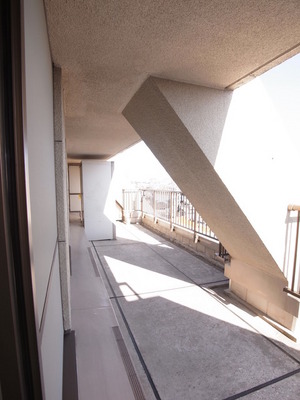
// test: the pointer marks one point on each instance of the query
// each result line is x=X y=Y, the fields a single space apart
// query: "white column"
x=97 y=202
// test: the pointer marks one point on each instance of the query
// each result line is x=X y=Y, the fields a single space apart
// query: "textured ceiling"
x=108 y=48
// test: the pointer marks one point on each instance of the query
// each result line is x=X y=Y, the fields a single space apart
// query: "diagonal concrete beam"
x=189 y=159
x=189 y=129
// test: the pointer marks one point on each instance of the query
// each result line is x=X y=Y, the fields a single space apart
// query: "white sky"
x=282 y=83
x=139 y=164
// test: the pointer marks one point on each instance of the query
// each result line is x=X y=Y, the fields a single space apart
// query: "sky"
x=282 y=83
x=138 y=164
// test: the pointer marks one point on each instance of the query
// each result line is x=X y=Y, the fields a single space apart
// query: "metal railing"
x=171 y=206
x=132 y=200
x=294 y=285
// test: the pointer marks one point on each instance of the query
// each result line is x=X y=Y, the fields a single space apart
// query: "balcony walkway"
x=186 y=337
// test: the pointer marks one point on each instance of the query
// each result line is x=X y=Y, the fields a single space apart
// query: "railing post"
x=171 y=212
x=154 y=206
x=296 y=251
x=142 y=203
x=195 y=225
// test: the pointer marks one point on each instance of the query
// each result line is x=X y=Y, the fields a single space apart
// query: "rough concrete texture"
x=107 y=49
x=197 y=343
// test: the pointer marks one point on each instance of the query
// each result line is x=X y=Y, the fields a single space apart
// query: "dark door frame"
x=20 y=371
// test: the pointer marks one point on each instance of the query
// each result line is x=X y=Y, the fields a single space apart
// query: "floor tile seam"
x=151 y=248
x=161 y=240
x=174 y=266
x=263 y=385
x=247 y=323
x=212 y=282
x=193 y=282
x=129 y=330
x=84 y=277
x=91 y=308
x=120 y=244
x=193 y=253
x=255 y=329
x=154 y=291
x=107 y=268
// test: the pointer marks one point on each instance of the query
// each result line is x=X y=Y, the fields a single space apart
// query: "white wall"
x=52 y=338
x=39 y=131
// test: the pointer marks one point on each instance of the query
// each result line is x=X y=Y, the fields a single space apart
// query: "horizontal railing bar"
x=170 y=206
x=293 y=207
x=291 y=292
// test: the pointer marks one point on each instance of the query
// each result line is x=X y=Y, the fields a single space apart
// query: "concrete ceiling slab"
x=107 y=50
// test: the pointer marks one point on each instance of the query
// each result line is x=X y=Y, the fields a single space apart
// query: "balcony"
x=153 y=321
x=171 y=214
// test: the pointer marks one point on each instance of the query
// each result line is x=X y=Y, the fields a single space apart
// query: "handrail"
x=172 y=207
x=119 y=205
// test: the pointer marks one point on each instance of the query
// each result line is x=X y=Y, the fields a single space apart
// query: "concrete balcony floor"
x=186 y=337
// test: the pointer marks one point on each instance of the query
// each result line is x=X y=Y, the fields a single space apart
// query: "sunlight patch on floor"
x=137 y=284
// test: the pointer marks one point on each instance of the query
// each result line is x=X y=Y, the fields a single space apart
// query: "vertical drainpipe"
x=61 y=197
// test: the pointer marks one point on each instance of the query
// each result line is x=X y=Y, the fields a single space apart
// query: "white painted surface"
x=40 y=144
x=52 y=339
x=39 y=129
x=96 y=179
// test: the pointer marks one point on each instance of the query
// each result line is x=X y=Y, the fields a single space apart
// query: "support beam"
x=199 y=136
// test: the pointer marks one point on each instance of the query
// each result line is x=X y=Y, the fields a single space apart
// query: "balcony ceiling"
x=108 y=48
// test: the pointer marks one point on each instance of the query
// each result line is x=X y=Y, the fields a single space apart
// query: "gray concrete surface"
x=100 y=369
x=197 y=343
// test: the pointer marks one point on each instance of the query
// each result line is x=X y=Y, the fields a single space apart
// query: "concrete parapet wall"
x=264 y=292
x=205 y=247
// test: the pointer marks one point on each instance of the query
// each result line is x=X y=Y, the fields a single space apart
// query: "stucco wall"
x=39 y=131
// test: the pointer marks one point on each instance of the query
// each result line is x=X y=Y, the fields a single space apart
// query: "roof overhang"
x=107 y=49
